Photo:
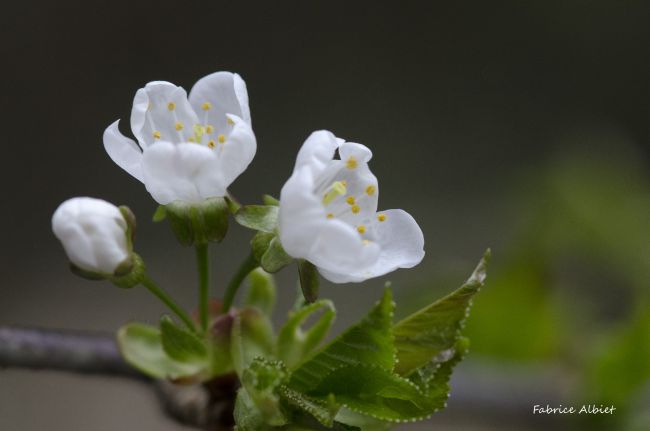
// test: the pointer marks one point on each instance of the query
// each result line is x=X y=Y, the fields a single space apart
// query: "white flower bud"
x=93 y=233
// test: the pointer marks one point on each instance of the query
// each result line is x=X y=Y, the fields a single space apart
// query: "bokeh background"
x=522 y=126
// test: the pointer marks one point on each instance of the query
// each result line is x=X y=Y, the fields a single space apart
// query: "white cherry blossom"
x=328 y=214
x=187 y=149
x=93 y=233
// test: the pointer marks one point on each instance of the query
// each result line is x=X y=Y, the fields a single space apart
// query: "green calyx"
x=197 y=223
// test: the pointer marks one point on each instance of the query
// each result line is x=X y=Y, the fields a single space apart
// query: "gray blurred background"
x=464 y=104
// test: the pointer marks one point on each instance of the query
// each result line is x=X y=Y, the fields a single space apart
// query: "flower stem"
x=244 y=269
x=203 y=262
x=168 y=301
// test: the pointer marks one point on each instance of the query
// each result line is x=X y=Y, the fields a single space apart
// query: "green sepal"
x=275 y=258
x=435 y=328
x=89 y=275
x=179 y=343
x=160 y=214
x=129 y=273
x=129 y=217
x=294 y=344
x=309 y=280
x=199 y=223
x=270 y=200
x=260 y=244
x=258 y=217
x=368 y=342
x=262 y=291
x=252 y=336
x=141 y=346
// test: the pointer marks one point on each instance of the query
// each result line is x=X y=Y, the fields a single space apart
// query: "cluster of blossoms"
x=188 y=152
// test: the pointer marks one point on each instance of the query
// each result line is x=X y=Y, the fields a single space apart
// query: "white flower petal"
x=184 y=172
x=124 y=151
x=161 y=112
x=318 y=151
x=218 y=94
x=236 y=152
x=402 y=246
x=360 y=153
x=93 y=233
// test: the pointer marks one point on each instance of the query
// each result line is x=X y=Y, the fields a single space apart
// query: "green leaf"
x=247 y=416
x=368 y=342
x=308 y=280
x=433 y=329
x=262 y=380
x=262 y=291
x=252 y=336
x=160 y=214
x=294 y=344
x=141 y=346
x=270 y=200
x=275 y=258
x=179 y=343
x=258 y=217
x=322 y=411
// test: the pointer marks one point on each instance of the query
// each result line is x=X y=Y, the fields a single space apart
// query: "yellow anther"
x=381 y=217
x=156 y=135
x=351 y=162
x=211 y=144
x=209 y=128
x=199 y=130
x=345 y=183
x=229 y=121
x=221 y=139
x=206 y=106
x=370 y=190
x=336 y=190
x=191 y=139
x=356 y=209
x=350 y=200
x=330 y=216
x=178 y=126
x=361 y=229
x=171 y=106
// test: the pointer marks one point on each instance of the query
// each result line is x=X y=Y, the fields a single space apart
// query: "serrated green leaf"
x=252 y=337
x=262 y=291
x=368 y=342
x=141 y=346
x=270 y=200
x=322 y=411
x=309 y=280
x=434 y=329
x=160 y=214
x=179 y=343
x=258 y=217
x=247 y=416
x=294 y=344
x=275 y=258
x=361 y=422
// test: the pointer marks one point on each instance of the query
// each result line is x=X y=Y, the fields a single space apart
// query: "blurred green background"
x=522 y=126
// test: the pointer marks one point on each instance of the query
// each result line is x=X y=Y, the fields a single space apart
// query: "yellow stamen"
x=229 y=121
x=156 y=135
x=350 y=200
x=221 y=139
x=191 y=139
x=361 y=229
x=178 y=126
x=345 y=183
x=351 y=162
x=209 y=128
x=330 y=216
x=381 y=217
x=206 y=106
x=336 y=190
x=171 y=106
x=199 y=130
x=211 y=144
x=370 y=190
x=356 y=209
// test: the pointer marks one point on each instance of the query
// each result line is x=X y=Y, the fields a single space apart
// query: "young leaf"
x=424 y=334
x=141 y=346
x=294 y=344
x=258 y=217
x=247 y=416
x=270 y=200
x=252 y=336
x=275 y=258
x=261 y=293
x=321 y=410
x=368 y=342
x=262 y=380
x=179 y=343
